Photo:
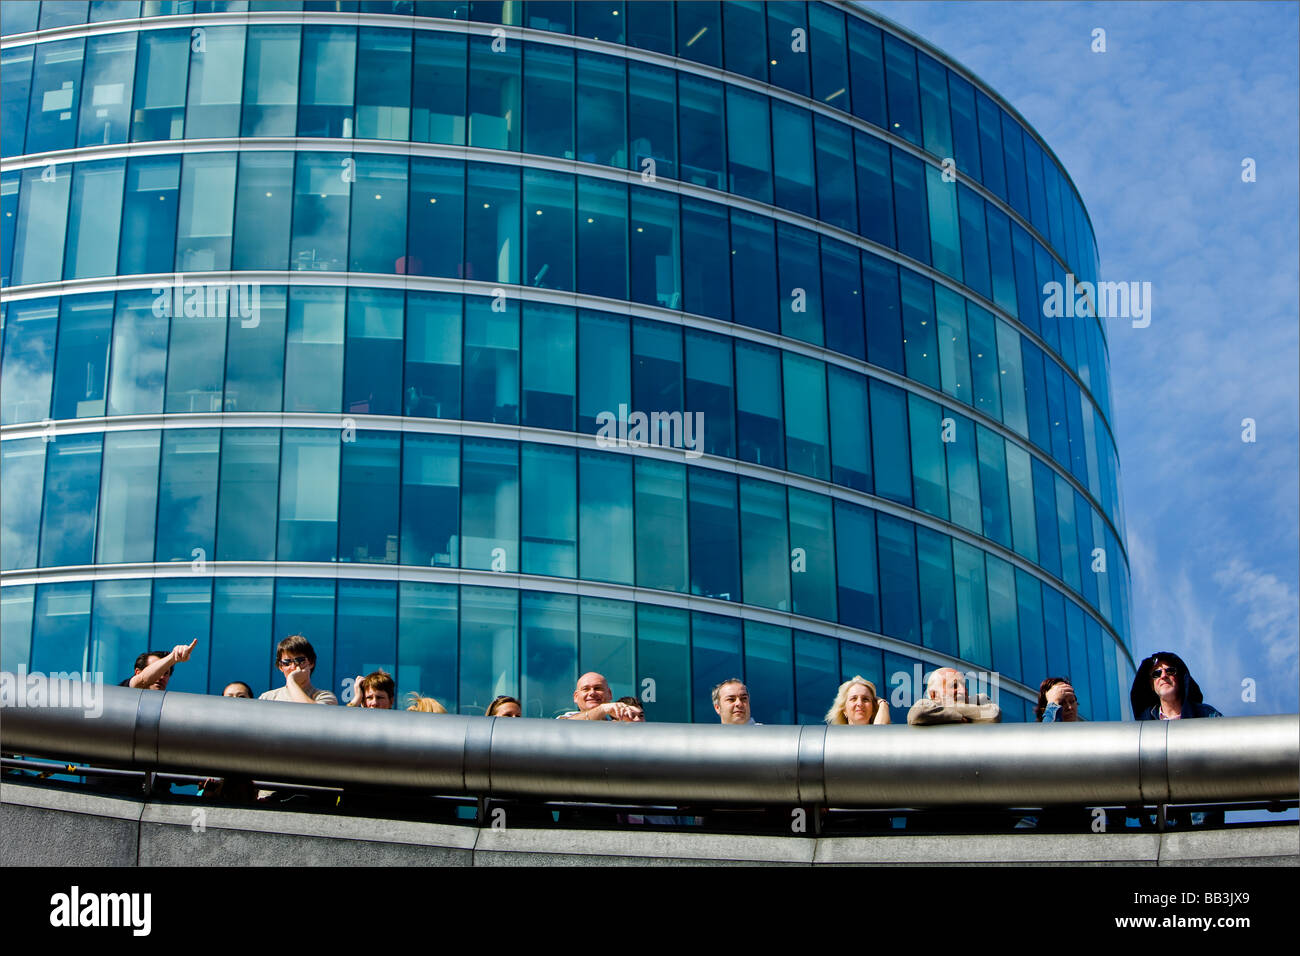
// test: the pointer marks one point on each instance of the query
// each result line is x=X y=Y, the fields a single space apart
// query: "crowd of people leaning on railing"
x=1163 y=689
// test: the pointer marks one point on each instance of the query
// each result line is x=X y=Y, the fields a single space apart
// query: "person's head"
x=592 y=691
x=295 y=651
x=637 y=706
x=946 y=684
x=237 y=688
x=424 y=705
x=505 y=706
x=1163 y=678
x=731 y=701
x=855 y=703
x=377 y=690
x=147 y=658
x=1066 y=698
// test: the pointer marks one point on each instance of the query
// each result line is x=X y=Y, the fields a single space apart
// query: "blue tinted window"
x=1049 y=539
x=929 y=475
x=548 y=100
x=812 y=549
x=1077 y=636
x=661 y=542
x=994 y=506
x=55 y=93
x=1029 y=613
x=769 y=671
x=938 y=604
x=706 y=259
x=954 y=346
x=263 y=207
x=984 y=361
x=250 y=462
x=657 y=377
x=699 y=32
x=549 y=375
x=1083 y=528
x=368 y=497
x=366 y=631
x=271 y=80
x=302 y=606
x=313 y=352
x=15 y=85
x=963 y=473
x=605 y=533
x=373 y=352
x=893 y=473
x=807 y=449
x=753 y=271
x=58 y=13
x=758 y=405
x=920 y=335
x=965 y=131
x=149 y=215
x=322 y=193
x=549 y=511
x=61 y=626
x=383 y=95
x=215 y=83
x=161 y=68
x=700 y=124
x=792 y=154
x=1020 y=481
x=602 y=121
x=379 y=201
x=745 y=28
x=910 y=202
x=1058 y=658
x=1017 y=190
x=715 y=655
x=430 y=501
x=30 y=330
x=764 y=544
x=81 y=367
x=494 y=93
x=884 y=322
x=128 y=497
x=652 y=120
x=93 y=219
x=800 y=283
x=207 y=200
x=898 y=583
x=842 y=289
x=325 y=102
x=436 y=219
x=855 y=541
x=187 y=494
x=1000 y=259
x=71 y=495
x=183 y=609
x=654 y=241
x=607 y=641
x=19 y=18
x=602 y=238
x=255 y=354
x=972 y=604
x=106 y=107
x=867 y=71
x=875 y=192
x=551 y=15
x=715 y=535
x=427 y=640
x=1069 y=540
x=710 y=391
x=439 y=89
x=749 y=158
x=945 y=234
x=604 y=367
x=663 y=653
x=836 y=198
x=491 y=382
x=787 y=46
x=548 y=643
x=309 y=495
x=650 y=26
x=23 y=462
x=850 y=429
x=38 y=233
x=974 y=244
x=489 y=505
x=601 y=21
x=990 y=124
x=830 y=77
x=934 y=106
x=900 y=76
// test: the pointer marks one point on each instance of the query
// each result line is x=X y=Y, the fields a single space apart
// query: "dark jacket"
x=1146 y=703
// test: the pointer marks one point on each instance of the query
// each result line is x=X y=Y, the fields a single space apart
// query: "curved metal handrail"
x=1236 y=758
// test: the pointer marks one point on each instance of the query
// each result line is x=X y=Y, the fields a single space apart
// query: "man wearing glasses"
x=1163 y=689
x=296 y=659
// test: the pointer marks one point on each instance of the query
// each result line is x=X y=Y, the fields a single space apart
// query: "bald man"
x=595 y=701
x=945 y=703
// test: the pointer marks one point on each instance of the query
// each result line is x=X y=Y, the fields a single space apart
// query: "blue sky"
x=1153 y=132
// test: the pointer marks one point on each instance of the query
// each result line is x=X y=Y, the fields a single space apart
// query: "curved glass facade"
x=492 y=343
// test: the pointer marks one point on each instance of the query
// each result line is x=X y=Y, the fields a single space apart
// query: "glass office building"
x=316 y=317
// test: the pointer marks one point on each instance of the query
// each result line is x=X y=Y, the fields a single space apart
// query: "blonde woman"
x=857 y=703
x=424 y=705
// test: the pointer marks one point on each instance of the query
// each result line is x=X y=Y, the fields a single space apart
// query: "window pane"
x=867 y=70
x=974 y=244
x=203 y=240
x=31 y=328
x=548 y=229
x=830 y=78
x=433 y=355
x=322 y=193
x=605 y=517
x=106 y=107
x=489 y=624
x=657 y=377
x=607 y=642
x=954 y=348
x=1020 y=482
x=898 y=586
x=650 y=27
x=302 y=606
x=938 y=604
x=929 y=475
x=329 y=59
x=792 y=153
x=800 y=278
x=187 y=494
x=661 y=558
x=855 y=541
x=900 y=75
x=806 y=445
x=892 y=469
x=128 y=498
x=664 y=655
x=427 y=642
x=765 y=545
x=605 y=365
x=23 y=463
x=837 y=200
x=994 y=506
x=94 y=220
x=250 y=462
x=1012 y=378
x=71 y=495
x=700 y=120
x=548 y=366
x=754 y=284
x=699 y=32
x=366 y=638
x=490 y=505
x=812 y=549
x=710 y=390
x=602 y=121
x=492 y=224
x=963 y=473
x=749 y=159
x=215 y=83
x=1029 y=614
x=850 y=423
x=884 y=324
x=945 y=241
x=56 y=89
x=263 y=207
x=934 y=106
x=549 y=646
x=652 y=120
x=491 y=361
x=379 y=201
x=910 y=202
x=309 y=495
x=161 y=68
x=430 y=501
x=549 y=511
x=383 y=97
x=745 y=36
x=715 y=655
x=439 y=89
x=313 y=360
x=255 y=355
x=602 y=238
x=436 y=220
x=759 y=425
x=715 y=535
x=373 y=359
x=61 y=627
x=149 y=218
x=548 y=100
x=990 y=123
x=184 y=608
x=271 y=81
x=842 y=288
x=42 y=216
x=972 y=604
x=787 y=46
x=965 y=133
x=368 y=498
x=493 y=94
x=920 y=335
x=81 y=367
x=706 y=259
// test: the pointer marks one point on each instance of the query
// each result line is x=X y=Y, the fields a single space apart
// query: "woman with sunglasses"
x=1163 y=689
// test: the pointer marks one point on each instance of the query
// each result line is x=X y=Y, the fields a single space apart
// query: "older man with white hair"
x=945 y=702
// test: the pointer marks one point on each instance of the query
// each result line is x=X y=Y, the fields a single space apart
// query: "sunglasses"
x=1169 y=669
x=290 y=661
